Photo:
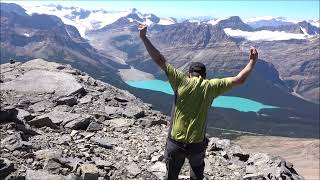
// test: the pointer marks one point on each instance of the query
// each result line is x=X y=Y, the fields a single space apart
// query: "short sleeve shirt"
x=194 y=97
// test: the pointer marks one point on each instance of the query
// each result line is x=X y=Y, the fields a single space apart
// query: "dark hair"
x=197 y=69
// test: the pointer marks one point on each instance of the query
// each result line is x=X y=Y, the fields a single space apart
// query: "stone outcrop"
x=82 y=128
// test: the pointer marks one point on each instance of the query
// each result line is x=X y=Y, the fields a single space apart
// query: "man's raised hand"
x=142 y=30
x=253 y=54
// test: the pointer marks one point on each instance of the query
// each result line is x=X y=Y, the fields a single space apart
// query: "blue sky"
x=293 y=10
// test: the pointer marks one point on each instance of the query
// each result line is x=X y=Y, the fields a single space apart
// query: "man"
x=193 y=97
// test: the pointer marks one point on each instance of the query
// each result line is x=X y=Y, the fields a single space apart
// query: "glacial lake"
x=238 y=103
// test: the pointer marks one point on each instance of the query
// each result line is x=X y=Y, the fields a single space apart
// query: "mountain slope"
x=46 y=36
x=297 y=63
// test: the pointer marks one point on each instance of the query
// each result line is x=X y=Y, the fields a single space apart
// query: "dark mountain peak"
x=274 y=22
x=234 y=22
x=153 y=18
x=81 y=13
x=235 y=19
x=309 y=28
x=134 y=10
x=188 y=34
x=13 y=8
x=134 y=16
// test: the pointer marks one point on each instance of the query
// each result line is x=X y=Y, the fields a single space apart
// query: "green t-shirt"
x=194 y=96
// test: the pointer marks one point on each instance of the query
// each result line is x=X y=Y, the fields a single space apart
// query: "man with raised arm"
x=193 y=97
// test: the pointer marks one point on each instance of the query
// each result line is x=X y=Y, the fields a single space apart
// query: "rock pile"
x=59 y=123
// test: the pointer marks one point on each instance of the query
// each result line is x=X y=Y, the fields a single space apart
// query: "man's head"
x=197 y=69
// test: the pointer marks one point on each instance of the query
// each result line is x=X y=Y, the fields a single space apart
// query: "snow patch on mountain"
x=167 y=21
x=216 y=21
x=85 y=20
x=82 y=19
x=26 y=34
x=264 y=35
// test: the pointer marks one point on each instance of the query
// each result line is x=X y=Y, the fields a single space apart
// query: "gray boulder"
x=101 y=163
x=48 y=154
x=133 y=169
x=158 y=169
x=41 y=106
x=146 y=123
x=80 y=123
x=110 y=110
x=86 y=99
x=8 y=114
x=93 y=126
x=119 y=122
x=134 y=112
x=6 y=167
x=52 y=165
x=14 y=142
x=42 y=121
x=70 y=101
x=89 y=172
x=24 y=115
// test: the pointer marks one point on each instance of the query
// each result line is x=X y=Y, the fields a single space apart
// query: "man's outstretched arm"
x=244 y=73
x=153 y=52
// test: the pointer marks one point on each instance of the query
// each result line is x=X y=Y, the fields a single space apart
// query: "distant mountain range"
x=106 y=43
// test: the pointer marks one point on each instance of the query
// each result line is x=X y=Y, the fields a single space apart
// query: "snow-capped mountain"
x=85 y=20
x=258 y=22
x=269 y=31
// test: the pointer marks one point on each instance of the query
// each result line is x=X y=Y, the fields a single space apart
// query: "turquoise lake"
x=238 y=103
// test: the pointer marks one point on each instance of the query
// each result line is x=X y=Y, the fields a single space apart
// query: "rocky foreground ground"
x=57 y=123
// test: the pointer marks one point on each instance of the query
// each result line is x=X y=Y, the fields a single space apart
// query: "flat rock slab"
x=48 y=154
x=40 y=81
x=41 y=106
x=105 y=142
x=110 y=110
x=41 y=64
x=58 y=117
x=119 y=122
x=41 y=175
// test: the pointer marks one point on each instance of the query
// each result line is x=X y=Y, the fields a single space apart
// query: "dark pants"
x=175 y=154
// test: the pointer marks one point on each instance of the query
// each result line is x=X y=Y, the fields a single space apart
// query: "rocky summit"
x=57 y=122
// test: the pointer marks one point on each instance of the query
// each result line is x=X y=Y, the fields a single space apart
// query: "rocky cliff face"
x=59 y=123
x=24 y=37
